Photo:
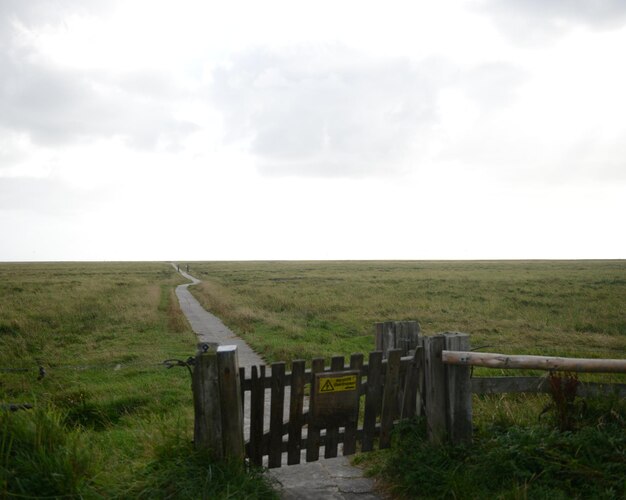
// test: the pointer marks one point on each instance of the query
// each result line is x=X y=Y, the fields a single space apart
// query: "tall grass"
x=508 y=460
x=110 y=421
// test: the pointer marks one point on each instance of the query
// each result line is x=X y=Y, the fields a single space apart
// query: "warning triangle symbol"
x=327 y=387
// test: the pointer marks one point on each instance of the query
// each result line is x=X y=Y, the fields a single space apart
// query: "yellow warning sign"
x=337 y=384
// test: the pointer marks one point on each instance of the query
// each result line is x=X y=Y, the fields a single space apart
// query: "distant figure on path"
x=187 y=267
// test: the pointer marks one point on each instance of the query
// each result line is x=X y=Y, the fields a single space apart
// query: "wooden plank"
x=257 y=416
x=459 y=405
x=414 y=334
x=332 y=431
x=403 y=337
x=390 y=397
x=313 y=431
x=207 y=432
x=242 y=377
x=231 y=403
x=373 y=399
x=378 y=335
x=276 y=414
x=420 y=405
x=411 y=386
x=494 y=360
x=296 y=403
x=435 y=388
x=389 y=338
x=349 y=445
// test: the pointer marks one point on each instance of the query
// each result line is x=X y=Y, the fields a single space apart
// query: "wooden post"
x=207 y=432
x=435 y=388
x=459 y=391
x=390 y=397
x=231 y=403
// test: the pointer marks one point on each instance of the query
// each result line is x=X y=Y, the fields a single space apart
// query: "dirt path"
x=333 y=478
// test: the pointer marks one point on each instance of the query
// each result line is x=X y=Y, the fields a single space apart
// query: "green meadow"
x=307 y=309
x=110 y=421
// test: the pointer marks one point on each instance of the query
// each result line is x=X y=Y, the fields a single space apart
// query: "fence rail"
x=494 y=360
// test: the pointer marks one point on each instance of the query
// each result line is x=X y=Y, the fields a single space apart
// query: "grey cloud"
x=538 y=21
x=327 y=111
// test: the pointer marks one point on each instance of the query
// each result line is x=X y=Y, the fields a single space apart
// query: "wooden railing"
x=450 y=413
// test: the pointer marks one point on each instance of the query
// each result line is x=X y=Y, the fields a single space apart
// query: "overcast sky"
x=193 y=130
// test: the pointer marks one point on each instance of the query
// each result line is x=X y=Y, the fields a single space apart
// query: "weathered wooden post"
x=231 y=403
x=207 y=432
x=459 y=392
x=402 y=335
x=218 y=409
x=435 y=389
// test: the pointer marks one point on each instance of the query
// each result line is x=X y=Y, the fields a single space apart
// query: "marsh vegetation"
x=110 y=421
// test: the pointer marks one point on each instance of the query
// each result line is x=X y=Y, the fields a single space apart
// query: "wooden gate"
x=336 y=407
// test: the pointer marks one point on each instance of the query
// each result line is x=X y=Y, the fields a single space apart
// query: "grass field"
x=109 y=421
x=306 y=309
x=289 y=310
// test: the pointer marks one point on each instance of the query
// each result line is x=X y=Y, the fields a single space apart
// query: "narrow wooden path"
x=333 y=478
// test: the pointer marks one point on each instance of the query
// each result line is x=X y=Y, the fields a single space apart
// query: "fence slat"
x=379 y=332
x=411 y=386
x=257 y=415
x=389 y=338
x=313 y=431
x=276 y=414
x=349 y=445
x=390 y=397
x=332 y=431
x=373 y=399
x=459 y=392
x=242 y=377
x=435 y=388
x=296 y=403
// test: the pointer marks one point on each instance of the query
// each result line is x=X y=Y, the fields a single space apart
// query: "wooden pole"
x=493 y=360
x=231 y=403
x=459 y=392
x=435 y=389
x=207 y=432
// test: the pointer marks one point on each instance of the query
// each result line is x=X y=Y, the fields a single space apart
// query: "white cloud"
x=311 y=130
